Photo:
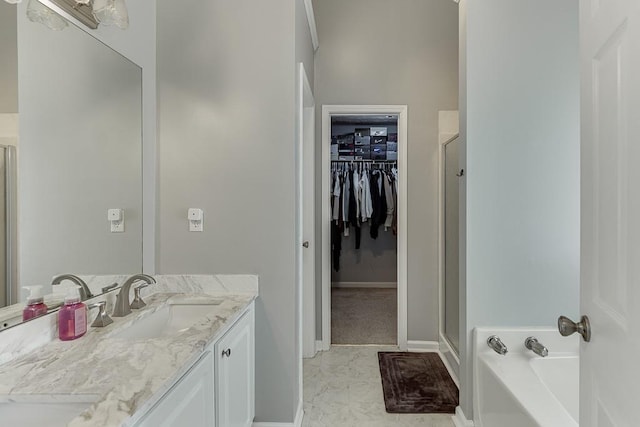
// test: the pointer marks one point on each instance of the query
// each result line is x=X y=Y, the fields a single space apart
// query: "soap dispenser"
x=35 y=303
x=72 y=317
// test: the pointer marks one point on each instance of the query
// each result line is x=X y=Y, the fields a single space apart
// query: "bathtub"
x=521 y=388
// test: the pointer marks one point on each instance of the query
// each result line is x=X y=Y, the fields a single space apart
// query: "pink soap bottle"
x=72 y=318
x=35 y=303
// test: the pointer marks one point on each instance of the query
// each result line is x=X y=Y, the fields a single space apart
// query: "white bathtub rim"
x=547 y=411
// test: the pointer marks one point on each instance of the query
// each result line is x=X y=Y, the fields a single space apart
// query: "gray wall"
x=9 y=55
x=399 y=52
x=71 y=171
x=523 y=167
x=226 y=91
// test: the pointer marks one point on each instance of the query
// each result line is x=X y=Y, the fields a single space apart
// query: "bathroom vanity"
x=218 y=388
x=186 y=358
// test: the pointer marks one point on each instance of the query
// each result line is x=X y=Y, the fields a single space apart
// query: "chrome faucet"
x=497 y=345
x=123 y=305
x=532 y=344
x=85 y=292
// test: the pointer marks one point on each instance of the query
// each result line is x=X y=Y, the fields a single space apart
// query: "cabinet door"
x=235 y=361
x=190 y=402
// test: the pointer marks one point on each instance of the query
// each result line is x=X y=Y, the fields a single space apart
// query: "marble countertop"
x=129 y=376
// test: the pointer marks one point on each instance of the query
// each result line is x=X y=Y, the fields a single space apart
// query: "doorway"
x=382 y=283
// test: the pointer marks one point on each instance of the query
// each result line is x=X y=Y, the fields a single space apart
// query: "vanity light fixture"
x=83 y=12
x=38 y=12
x=88 y=12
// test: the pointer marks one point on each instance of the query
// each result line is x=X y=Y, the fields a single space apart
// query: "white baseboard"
x=319 y=346
x=459 y=419
x=379 y=285
x=297 y=422
x=423 y=346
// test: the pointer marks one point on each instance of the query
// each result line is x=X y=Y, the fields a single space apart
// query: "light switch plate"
x=116 y=218
x=196 y=219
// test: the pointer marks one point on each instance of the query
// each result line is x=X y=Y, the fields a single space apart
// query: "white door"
x=610 y=230
x=306 y=143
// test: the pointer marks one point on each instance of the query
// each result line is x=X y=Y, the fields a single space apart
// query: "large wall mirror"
x=78 y=144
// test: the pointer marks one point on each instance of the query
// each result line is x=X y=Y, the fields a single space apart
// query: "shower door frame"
x=446 y=348
x=352 y=110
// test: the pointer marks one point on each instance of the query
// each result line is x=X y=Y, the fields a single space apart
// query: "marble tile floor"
x=342 y=388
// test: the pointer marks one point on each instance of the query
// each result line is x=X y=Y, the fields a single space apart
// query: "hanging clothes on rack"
x=366 y=206
x=394 y=221
x=346 y=189
x=353 y=210
x=379 y=203
x=361 y=193
x=337 y=224
x=388 y=192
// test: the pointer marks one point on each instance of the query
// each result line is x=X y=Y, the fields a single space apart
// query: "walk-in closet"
x=364 y=226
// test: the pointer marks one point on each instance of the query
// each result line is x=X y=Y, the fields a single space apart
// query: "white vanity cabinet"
x=189 y=402
x=235 y=366
x=219 y=389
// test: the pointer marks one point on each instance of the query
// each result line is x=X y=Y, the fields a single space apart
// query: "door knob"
x=305 y=244
x=567 y=327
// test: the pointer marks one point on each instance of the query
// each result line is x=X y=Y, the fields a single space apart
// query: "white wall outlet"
x=196 y=219
x=116 y=218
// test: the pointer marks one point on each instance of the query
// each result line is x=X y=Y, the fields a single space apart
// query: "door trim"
x=334 y=110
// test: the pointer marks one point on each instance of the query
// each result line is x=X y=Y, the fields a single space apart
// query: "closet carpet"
x=364 y=316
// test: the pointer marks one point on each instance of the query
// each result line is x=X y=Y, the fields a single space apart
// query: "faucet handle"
x=496 y=344
x=534 y=345
x=137 y=302
x=102 y=319
x=110 y=287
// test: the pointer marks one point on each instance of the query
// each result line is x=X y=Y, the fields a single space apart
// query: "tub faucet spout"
x=497 y=345
x=532 y=344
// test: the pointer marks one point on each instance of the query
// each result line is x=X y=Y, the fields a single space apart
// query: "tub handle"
x=567 y=327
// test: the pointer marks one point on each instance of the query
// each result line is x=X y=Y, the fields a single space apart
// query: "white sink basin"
x=168 y=320
x=51 y=411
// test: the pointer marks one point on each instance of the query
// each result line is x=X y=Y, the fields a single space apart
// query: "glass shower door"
x=451 y=246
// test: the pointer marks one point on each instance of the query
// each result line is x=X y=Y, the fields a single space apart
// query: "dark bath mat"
x=416 y=383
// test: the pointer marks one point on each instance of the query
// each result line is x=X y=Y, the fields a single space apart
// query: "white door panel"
x=306 y=146
x=610 y=254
